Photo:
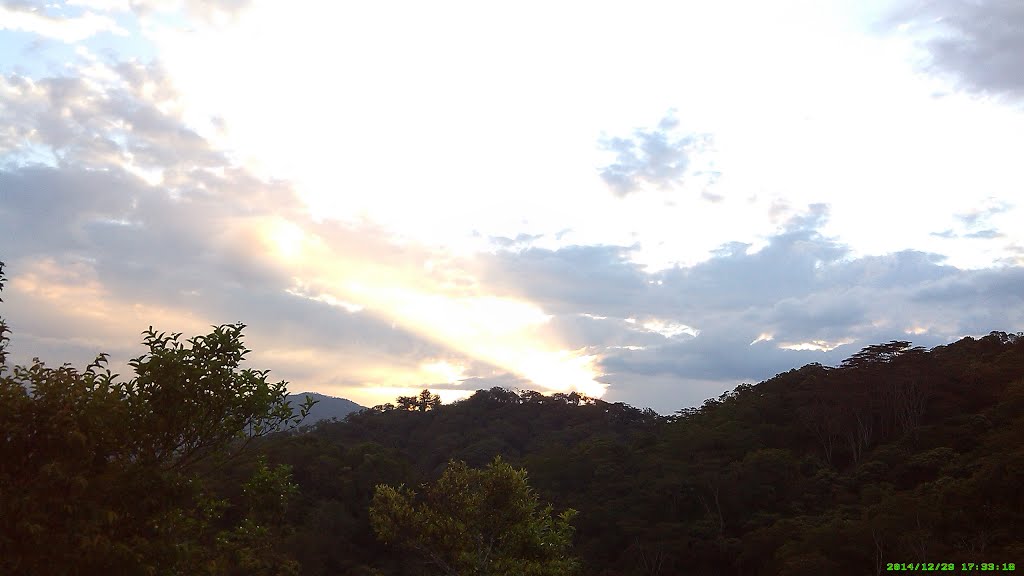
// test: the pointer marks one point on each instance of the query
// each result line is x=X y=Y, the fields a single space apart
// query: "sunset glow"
x=394 y=195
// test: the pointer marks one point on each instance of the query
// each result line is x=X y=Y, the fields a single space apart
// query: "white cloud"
x=816 y=345
x=102 y=5
x=69 y=29
x=670 y=329
x=447 y=113
x=325 y=298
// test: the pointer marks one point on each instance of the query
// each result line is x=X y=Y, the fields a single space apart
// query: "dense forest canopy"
x=898 y=455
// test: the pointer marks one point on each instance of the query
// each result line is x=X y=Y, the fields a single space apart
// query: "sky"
x=647 y=202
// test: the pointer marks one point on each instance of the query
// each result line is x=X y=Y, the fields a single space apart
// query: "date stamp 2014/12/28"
x=951 y=566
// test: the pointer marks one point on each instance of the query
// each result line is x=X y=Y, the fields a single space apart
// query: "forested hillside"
x=196 y=465
x=898 y=455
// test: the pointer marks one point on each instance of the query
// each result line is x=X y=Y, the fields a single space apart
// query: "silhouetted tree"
x=427 y=401
x=421 y=403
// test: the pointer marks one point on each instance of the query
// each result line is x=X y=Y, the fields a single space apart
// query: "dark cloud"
x=141 y=237
x=980 y=42
x=572 y=278
x=802 y=288
x=20 y=5
x=582 y=331
x=664 y=393
x=654 y=157
x=992 y=287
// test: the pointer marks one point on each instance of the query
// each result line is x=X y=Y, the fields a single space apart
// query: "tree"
x=244 y=550
x=427 y=401
x=877 y=354
x=3 y=329
x=476 y=521
x=99 y=475
x=420 y=403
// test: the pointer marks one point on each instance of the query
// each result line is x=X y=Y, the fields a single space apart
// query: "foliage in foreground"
x=105 y=476
x=476 y=521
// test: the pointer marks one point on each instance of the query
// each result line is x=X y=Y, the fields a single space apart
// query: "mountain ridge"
x=326 y=408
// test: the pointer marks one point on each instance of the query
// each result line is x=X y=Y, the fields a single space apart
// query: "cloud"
x=214 y=12
x=978 y=42
x=152 y=215
x=986 y=234
x=96 y=252
x=205 y=11
x=118 y=118
x=502 y=380
x=102 y=5
x=194 y=254
x=575 y=279
x=665 y=393
x=654 y=157
x=804 y=297
x=980 y=215
x=977 y=222
x=119 y=255
x=28 y=17
x=118 y=212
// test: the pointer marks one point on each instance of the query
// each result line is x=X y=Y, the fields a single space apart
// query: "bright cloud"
x=819 y=345
x=65 y=29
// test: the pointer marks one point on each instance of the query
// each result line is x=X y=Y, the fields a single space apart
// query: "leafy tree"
x=189 y=403
x=99 y=475
x=427 y=401
x=876 y=354
x=3 y=328
x=244 y=550
x=477 y=521
x=405 y=403
x=420 y=403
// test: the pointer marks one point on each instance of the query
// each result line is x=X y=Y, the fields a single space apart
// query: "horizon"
x=648 y=206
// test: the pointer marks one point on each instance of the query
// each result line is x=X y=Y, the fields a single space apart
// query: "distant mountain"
x=327 y=407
